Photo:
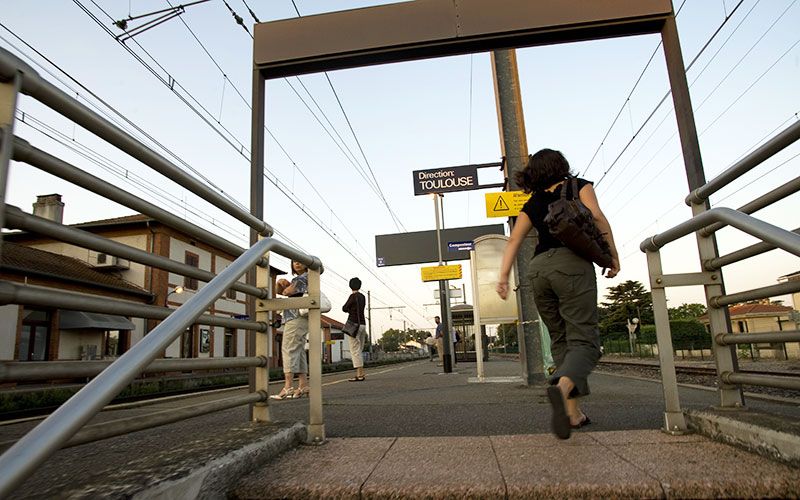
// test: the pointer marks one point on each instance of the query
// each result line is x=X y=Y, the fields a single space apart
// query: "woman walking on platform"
x=564 y=285
x=295 y=330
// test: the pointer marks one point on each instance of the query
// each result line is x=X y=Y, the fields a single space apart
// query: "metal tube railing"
x=22 y=459
x=19 y=371
x=783 y=139
x=35 y=86
x=755 y=338
x=762 y=380
x=17 y=219
x=31 y=295
x=754 y=294
x=42 y=160
x=741 y=254
x=777 y=236
x=121 y=426
x=763 y=201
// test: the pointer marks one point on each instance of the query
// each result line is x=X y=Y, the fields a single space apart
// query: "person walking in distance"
x=354 y=307
x=564 y=285
x=295 y=330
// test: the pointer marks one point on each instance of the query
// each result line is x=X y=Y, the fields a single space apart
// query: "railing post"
x=9 y=92
x=260 y=411
x=316 y=424
x=674 y=422
x=707 y=246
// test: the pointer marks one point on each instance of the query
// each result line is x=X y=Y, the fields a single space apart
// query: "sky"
x=387 y=121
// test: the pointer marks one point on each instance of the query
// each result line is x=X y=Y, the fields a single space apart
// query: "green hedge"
x=686 y=334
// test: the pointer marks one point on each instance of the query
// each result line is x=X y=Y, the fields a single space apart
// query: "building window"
x=192 y=259
x=231 y=294
x=34 y=339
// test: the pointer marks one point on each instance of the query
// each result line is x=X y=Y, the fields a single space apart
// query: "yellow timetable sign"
x=505 y=204
x=436 y=273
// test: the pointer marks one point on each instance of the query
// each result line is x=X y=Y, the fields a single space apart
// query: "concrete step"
x=773 y=436
x=635 y=464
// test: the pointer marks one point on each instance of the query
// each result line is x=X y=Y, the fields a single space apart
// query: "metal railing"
x=66 y=426
x=705 y=223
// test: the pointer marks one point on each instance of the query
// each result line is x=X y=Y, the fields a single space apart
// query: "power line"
x=652 y=113
x=284 y=191
x=397 y=222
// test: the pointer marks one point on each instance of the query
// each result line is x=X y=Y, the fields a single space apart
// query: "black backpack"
x=573 y=224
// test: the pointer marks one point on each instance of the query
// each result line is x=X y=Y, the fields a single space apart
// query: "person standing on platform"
x=564 y=285
x=354 y=307
x=439 y=336
x=295 y=330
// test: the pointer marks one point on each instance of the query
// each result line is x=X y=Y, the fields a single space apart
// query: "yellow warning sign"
x=505 y=204
x=436 y=273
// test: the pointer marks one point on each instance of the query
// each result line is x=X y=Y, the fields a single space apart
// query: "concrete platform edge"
x=771 y=443
x=215 y=479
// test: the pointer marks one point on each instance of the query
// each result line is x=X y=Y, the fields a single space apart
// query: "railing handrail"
x=45 y=92
x=25 y=152
x=777 y=143
x=779 y=237
x=46 y=370
x=17 y=219
x=26 y=454
x=15 y=293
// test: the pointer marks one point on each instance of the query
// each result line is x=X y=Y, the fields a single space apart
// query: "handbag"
x=573 y=225
x=351 y=328
x=324 y=304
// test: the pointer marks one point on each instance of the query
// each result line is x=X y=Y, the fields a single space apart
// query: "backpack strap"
x=575 y=194
x=564 y=188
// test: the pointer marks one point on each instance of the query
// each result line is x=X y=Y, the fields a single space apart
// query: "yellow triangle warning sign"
x=505 y=203
x=500 y=205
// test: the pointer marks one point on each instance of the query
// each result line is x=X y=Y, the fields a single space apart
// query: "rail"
x=67 y=425
x=704 y=224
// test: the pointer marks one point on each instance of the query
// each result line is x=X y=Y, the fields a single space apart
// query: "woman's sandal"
x=583 y=423
x=300 y=392
x=356 y=379
x=560 y=423
x=286 y=393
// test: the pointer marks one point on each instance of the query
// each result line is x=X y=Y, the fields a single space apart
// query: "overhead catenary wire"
x=82 y=86
x=735 y=100
x=663 y=99
x=397 y=221
x=242 y=149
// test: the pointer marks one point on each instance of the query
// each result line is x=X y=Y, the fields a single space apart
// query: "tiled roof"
x=745 y=310
x=752 y=309
x=128 y=219
x=331 y=322
x=20 y=258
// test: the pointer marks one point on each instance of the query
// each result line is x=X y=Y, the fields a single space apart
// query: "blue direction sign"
x=459 y=246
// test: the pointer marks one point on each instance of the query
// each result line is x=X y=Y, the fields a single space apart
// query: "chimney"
x=49 y=206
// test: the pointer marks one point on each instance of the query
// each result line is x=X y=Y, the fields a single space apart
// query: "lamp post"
x=632 y=324
x=178 y=290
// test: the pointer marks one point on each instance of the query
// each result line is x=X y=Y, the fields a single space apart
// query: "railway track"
x=697 y=375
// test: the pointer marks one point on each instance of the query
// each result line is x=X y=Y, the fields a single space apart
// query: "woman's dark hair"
x=355 y=284
x=545 y=168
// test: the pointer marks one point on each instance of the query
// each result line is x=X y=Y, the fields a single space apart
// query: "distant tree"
x=391 y=339
x=507 y=335
x=418 y=335
x=687 y=311
x=625 y=301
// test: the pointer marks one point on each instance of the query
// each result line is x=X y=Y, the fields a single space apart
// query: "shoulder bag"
x=573 y=224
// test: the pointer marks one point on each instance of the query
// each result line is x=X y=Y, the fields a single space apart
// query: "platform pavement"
x=409 y=431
